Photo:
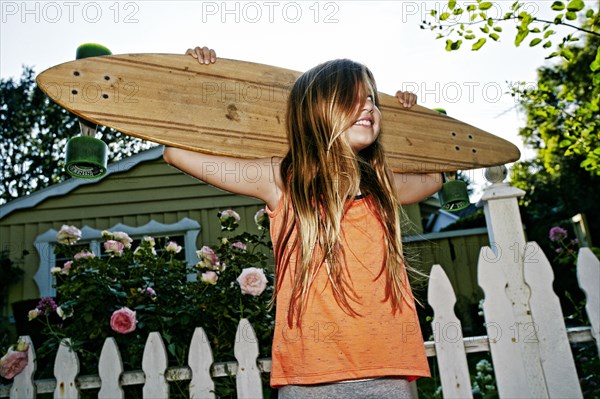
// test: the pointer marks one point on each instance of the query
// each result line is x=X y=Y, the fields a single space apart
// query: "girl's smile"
x=366 y=128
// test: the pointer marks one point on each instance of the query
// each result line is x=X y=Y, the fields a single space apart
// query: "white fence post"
x=200 y=358
x=549 y=326
x=23 y=385
x=508 y=298
x=110 y=367
x=154 y=365
x=248 y=381
x=66 y=369
x=449 y=350
x=588 y=275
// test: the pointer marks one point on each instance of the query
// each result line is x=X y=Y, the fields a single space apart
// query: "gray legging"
x=380 y=388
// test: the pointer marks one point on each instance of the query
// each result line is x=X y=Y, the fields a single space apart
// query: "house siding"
x=151 y=191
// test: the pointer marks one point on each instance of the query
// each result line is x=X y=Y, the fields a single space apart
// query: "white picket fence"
x=526 y=335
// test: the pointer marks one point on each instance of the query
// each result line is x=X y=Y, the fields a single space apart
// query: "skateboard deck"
x=237 y=108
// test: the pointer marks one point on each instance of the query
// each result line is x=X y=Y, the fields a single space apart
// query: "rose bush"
x=135 y=287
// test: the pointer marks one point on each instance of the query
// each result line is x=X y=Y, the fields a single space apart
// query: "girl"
x=345 y=311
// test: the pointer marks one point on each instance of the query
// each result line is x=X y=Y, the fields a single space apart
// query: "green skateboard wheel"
x=454 y=196
x=91 y=50
x=87 y=157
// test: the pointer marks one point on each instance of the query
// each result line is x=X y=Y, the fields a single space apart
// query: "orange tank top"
x=332 y=346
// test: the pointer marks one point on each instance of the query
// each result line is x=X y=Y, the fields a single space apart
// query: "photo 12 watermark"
x=53 y=12
x=471 y=92
x=253 y=12
x=422 y=10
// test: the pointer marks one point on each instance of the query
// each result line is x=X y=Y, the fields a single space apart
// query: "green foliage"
x=34 y=132
x=456 y=23
x=150 y=278
x=563 y=118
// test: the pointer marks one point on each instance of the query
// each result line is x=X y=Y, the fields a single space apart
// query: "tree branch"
x=470 y=23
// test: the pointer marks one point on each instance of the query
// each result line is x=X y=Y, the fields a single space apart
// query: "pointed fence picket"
x=110 y=368
x=548 y=329
x=448 y=339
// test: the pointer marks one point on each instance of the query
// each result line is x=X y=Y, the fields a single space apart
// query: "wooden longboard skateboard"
x=237 y=108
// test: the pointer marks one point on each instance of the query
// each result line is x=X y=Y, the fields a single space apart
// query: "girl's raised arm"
x=414 y=187
x=258 y=178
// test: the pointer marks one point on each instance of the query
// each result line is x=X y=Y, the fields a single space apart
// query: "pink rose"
x=68 y=235
x=252 y=281
x=123 y=320
x=85 y=254
x=13 y=363
x=239 y=245
x=209 y=277
x=208 y=257
x=67 y=267
x=113 y=246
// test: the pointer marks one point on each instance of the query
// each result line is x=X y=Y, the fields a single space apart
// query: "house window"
x=185 y=233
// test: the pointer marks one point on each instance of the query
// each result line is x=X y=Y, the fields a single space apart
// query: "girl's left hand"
x=406 y=98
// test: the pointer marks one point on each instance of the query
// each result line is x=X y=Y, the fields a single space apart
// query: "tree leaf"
x=567 y=54
x=564 y=143
x=478 y=44
x=589 y=13
x=547 y=44
x=558 y=6
x=498 y=28
x=444 y=16
x=535 y=42
x=495 y=36
x=485 y=29
x=596 y=63
x=571 y=16
x=575 y=5
x=521 y=35
x=548 y=33
x=451 y=4
x=486 y=5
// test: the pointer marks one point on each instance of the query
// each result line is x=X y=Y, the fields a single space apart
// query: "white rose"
x=173 y=247
x=68 y=235
x=252 y=281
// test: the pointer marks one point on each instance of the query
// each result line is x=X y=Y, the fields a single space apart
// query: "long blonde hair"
x=322 y=175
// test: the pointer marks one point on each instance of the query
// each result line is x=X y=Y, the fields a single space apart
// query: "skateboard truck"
x=453 y=195
x=87 y=156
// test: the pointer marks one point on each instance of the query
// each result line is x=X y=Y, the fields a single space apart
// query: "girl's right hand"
x=204 y=55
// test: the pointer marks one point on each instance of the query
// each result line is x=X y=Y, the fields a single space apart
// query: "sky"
x=384 y=35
